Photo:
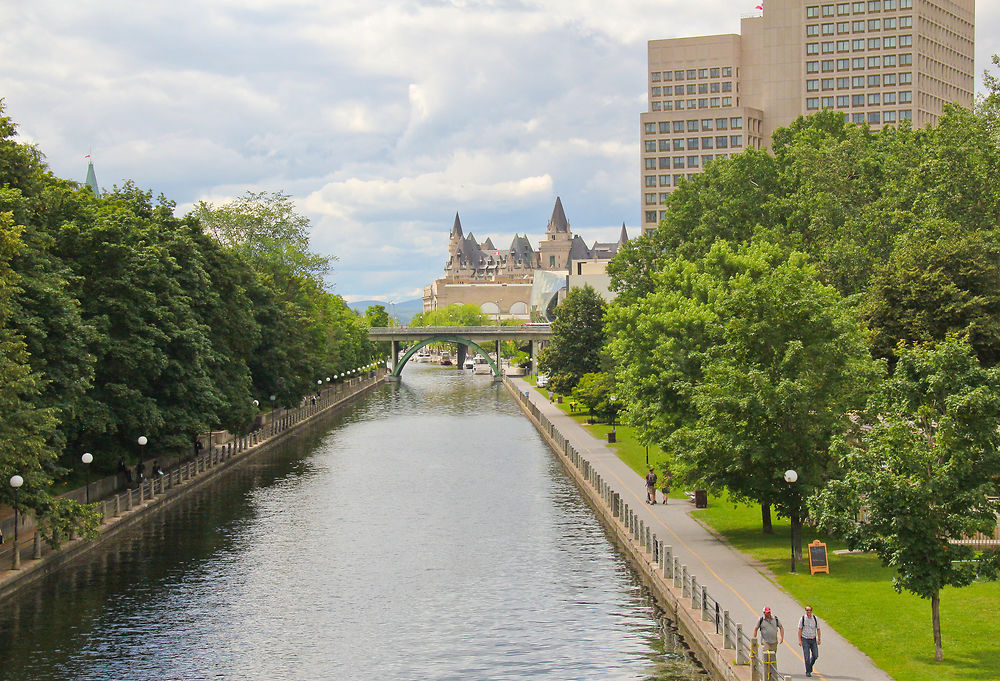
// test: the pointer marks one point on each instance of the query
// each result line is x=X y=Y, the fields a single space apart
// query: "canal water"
x=424 y=533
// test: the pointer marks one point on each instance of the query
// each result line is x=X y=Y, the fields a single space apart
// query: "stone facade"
x=502 y=282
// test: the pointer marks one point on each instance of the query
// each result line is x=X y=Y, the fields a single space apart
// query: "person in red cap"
x=769 y=627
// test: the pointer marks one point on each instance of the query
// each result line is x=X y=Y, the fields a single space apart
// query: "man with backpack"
x=651 y=487
x=809 y=639
x=769 y=627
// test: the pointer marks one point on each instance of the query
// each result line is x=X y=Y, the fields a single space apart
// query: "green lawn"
x=856 y=598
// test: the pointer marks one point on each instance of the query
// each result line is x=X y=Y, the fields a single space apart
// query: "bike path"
x=735 y=580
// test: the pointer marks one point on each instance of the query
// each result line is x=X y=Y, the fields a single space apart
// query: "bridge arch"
x=397 y=368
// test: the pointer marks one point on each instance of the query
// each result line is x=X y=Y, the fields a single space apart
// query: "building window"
x=888 y=4
x=691 y=89
x=692 y=103
x=828 y=10
x=812 y=103
x=906 y=78
x=656 y=92
x=716 y=87
x=668 y=75
x=905 y=114
x=736 y=141
x=727 y=71
x=858 y=100
x=703 y=103
x=828 y=47
x=874 y=43
x=827 y=65
x=858 y=26
x=650 y=216
x=843 y=83
x=843 y=45
x=650 y=180
x=650 y=199
x=889 y=117
x=736 y=123
x=812 y=67
x=650 y=163
x=905 y=97
x=664 y=180
x=858 y=45
x=722 y=123
x=889 y=60
x=664 y=196
x=691 y=74
x=664 y=162
x=874 y=81
x=905 y=40
x=828 y=29
x=874 y=99
x=692 y=161
x=812 y=12
x=727 y=86
x=889 y=98
x=552 y=261
x=668 y=106
x=707 y=124
x=906 y=22
x=678 y=179
x=679 y=145
x=857 y=118
x=655 y=76
x=812 y=48
x=874 y=62
x=692 y=142
x=722 y=142
x=826 y=102
x=874 y=24
x=715 y=72
x=905 y=4
x=858 y=81
x=812 y=30
x=843 y=27
x=812 y=85
x=858 y=7
x=715 y=102
x=889 y=24
x=843 y=8
x=664 y=145
x=703 y=73
x=874 y=5
x=655 y=106
x=650 y=145
x=705 y=160
x=678 y=162
x=905 y=59
x=843 y=64
x=889 y=79
x=664 y=127
x=827 y=83
x=707 y=142
x=843 y=101
x=678 y=75
x=874 y=117
x=692 y=126
x=668 y=90
x=650 y=128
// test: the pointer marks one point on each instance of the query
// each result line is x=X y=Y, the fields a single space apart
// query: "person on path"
x=665 y=483
x=769 y=627
x=809 y=639
x=651 y=487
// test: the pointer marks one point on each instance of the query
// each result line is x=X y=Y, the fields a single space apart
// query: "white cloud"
x=383 y=118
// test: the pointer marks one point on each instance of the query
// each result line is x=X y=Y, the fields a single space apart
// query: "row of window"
x=848 y=82
x=858 y=7
x=703 y=103
x=674 y=180
x=854 y=101
x=679 y=162
x=691 y=88
x=889 y=42
x=692 y=74
x=841 y=27
x=694 y=125
x=859 y=63
x=874 y=117
x=690 y=143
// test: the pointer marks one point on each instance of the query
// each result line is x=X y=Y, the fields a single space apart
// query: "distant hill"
x=404 y=311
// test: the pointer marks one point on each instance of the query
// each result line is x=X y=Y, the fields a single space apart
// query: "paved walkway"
x=732 y=578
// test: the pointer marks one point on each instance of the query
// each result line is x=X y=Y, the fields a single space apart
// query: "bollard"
x=694 y=594
x=668 y=561
x=118 y=505
x=676 y=572
x=128 y=501
x=727 y=640
x=141 y=492
x=642 y=534
x=685 y=584
x=36 y=554
x=704 y=604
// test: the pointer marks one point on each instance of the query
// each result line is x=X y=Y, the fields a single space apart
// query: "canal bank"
x=123 y=510
x=712 y=588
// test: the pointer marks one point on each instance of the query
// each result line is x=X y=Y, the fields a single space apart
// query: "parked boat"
x=445 y=360
x=469 y=363
x=480 y=365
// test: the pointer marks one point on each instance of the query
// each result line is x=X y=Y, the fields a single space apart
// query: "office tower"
x=878 y=61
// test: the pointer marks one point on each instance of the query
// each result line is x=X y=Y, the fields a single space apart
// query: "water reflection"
x=426 y=534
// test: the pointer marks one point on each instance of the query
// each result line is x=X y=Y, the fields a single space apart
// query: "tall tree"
x=577 y=340
x=924 y=470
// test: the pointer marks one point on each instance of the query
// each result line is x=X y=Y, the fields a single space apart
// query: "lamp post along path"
x=15 y=482
x=790 y=477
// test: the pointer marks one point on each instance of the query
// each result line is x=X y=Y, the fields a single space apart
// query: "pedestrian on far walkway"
x=769 y=627
x=809 y=639
x=651 y=486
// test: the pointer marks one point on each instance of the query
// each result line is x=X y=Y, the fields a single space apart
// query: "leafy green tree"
x=943 y=277
x=578 y=339
x=594 y=391
x=923 y=471
x=453 y=315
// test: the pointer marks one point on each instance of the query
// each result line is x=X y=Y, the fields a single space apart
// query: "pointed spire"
x=91 y=182
x=558 y=222
x=456 y=230
x=623 y=237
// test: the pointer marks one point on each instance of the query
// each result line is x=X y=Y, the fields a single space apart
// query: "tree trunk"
x=936 y=619
x=765 y=518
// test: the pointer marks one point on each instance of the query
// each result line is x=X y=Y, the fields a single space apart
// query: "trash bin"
x=611 y=436
x=701 y=498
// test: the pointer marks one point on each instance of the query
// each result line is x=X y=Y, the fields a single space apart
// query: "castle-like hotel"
x=520 y=282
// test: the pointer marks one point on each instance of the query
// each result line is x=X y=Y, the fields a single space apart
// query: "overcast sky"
x=381 y=118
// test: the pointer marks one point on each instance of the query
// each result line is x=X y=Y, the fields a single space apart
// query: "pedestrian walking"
x=769 y=627
x=809 y=639
x=665 y=483
x=651 y=487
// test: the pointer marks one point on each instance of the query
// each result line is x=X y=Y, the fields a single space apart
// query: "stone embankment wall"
x=122 y=509
x=722 y=646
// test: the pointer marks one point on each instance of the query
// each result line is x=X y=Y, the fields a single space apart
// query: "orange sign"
x=817 y=558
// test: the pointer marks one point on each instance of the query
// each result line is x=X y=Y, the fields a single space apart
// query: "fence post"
x=741 y=653
x=37 y=549
x=685 y=584
x=704 y=603
x=694 y=594
x=668 y=561
x=727 y=641
x=770 y=665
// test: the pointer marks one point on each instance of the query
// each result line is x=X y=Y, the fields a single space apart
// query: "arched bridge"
x=416 y=337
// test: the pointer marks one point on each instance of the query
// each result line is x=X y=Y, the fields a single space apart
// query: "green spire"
x=92 y=180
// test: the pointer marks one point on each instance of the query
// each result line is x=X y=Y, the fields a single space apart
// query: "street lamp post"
x=790 y=477
x=142 y=441
x=87 y=458
x=16 y=481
